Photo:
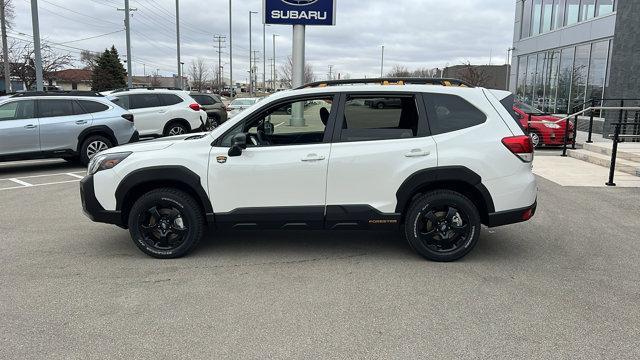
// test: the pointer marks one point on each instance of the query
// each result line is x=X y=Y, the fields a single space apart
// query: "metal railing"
x=619 y=133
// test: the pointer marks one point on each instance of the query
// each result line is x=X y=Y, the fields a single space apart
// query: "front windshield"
x=243 y=102
x=528 y=109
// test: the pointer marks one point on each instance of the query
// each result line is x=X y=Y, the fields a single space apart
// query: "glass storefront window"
x=587 y=9
x=526 y=19
x=538 y=90
x=580 y=74
x=572 y=12
x=597 y=69
x=551 y=81
x=604 y=7
x=536 y=17
x=547 y=15
x=522 y=78
x=531 y=75
x=565 y=74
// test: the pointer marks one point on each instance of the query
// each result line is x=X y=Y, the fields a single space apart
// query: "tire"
x=156 y=213
x=175 y=128
x=438 y=233
x=93 y=145
x=380 y=106
x=536 y=143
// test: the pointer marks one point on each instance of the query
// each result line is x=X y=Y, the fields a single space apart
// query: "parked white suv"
x=442 y=162
x=162 y=112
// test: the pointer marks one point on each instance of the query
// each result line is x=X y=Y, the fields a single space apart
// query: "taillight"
x=195 y=107
x=128 y=117
x=520 y=146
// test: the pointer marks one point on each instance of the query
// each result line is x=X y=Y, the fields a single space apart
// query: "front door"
x=279 y=181
x=19 y=131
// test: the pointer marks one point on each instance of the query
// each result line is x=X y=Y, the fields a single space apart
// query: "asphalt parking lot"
x=564 y=285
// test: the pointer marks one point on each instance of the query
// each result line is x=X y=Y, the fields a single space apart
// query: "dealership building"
x=566 y=52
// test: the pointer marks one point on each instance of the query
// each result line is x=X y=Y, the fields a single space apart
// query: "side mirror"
x=238 y=143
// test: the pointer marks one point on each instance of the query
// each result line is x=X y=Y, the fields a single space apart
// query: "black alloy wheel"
x=442 y=225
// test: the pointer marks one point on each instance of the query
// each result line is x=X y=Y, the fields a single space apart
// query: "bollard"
x=566 y=138
x=575 y=133
x=593 y=104
x=614 y=153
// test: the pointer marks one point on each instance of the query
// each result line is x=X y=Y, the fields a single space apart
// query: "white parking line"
x=23 y=183
x=75 y=175
x=282 y=123
x=45 y=175
x=38 y=185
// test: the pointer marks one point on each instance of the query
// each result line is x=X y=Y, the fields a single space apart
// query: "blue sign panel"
x=300 y=12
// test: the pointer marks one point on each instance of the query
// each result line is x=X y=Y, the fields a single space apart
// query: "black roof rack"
x=389 y=81
x=58 y=93
x=148 y=88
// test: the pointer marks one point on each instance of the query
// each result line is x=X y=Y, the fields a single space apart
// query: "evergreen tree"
x=109 y=73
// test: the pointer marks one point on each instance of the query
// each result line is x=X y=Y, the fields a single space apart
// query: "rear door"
x=374 y=151
x=19 y=132
x=61 y=122
x=149 y=114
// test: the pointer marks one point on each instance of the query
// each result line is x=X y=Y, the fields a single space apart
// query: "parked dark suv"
x=213 y=105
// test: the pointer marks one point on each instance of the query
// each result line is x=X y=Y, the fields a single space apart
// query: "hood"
x=152 y=145
x=544 y=118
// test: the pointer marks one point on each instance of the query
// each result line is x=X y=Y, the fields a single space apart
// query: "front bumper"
x=92 y=208
x=512 y=216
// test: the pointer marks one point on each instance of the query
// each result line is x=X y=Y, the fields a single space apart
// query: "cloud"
x=416 y=33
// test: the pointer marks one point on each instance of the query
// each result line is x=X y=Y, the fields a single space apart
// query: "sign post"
x=299 y=13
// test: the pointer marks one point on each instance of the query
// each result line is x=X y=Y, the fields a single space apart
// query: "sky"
x=415 y=33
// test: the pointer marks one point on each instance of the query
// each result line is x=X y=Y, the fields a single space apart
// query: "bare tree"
x=88 y=59
x=199 y=72
x=24 y=59
x=425 y=73
x=286 y=73
x=474 y=75
x=399 y=71
x=9 y=13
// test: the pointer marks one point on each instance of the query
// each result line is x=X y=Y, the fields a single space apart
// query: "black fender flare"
x=424 y=178
x=97 y=130
x=159 y=175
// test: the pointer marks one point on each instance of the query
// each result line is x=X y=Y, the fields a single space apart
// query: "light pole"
x=36 y=44
x=264 y=56
x=273 y=76
x=182 y=68
x=382 y=63
x=251 y=13
x=230 y=53
x=178 y=43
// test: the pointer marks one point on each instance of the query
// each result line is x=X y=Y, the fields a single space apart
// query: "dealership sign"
x=300 y=12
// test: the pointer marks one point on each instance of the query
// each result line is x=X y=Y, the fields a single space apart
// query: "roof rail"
x=148 y=88
x=389 y=81
x=58 y=93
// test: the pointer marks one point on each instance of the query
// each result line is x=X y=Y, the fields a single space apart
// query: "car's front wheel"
x=166 y=223
x=442 y=225
x=536 y=139
x=175 y=128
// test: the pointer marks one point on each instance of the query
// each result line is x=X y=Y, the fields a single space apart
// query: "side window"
x=9 y=111
x=54 y=108
x=77 y=109
x=93 y=106
x=26 y=109
x=204 y=100
x=449 y=113
x=122 y=101
x=380 y=118
x=293 y=123
x=169 y=99
x=142 y=101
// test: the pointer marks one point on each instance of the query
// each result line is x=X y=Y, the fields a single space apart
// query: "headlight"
x=105 y=162
x=551 y=125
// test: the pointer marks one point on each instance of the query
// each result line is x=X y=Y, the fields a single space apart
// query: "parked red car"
x=543 y=128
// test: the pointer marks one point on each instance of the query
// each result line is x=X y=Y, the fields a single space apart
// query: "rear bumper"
x=512 y=216
x=92 y=208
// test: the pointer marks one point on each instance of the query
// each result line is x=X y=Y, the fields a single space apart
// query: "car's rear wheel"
x=536 y=139
x=91 y=146
x=380 y=105
x=442 y=225
x=175 y=128
x=166 y=223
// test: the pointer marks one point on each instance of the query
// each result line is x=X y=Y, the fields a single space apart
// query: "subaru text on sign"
x=299 y=12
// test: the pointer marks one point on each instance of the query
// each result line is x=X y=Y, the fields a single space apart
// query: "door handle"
x=417 y=153
x=313 y=157
x=30 y=126
x=81 y=122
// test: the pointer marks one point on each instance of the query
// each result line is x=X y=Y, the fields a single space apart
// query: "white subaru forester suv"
x=439 y=161
x=162 y=112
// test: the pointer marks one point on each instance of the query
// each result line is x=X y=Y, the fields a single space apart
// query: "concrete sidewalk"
x=567 y=171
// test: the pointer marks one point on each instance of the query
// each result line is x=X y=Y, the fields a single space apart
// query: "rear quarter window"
x=93 y=106
x=169 y=99
x=449 y=113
